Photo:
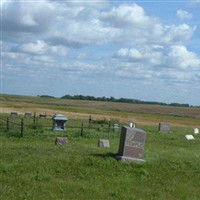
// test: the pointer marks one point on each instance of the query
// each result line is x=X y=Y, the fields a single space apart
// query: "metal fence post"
x=22 y=128
x=82 y=130
x=7 y=124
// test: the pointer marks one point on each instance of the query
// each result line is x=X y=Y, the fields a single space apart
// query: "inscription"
x=134 y=144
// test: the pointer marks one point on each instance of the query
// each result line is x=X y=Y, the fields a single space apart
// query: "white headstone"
x=189 y=137
x=132 y=125
x=196 y=131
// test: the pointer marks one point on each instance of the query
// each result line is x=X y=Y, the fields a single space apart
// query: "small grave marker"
x=103 y=143
x=116 y=127
x=131 y=147
x=42 y=115
x=196 y=131
x=189 y=137
x=28 y=114
x=132 y=125
x=164 y=127
x=61 y=141
x=13 y=114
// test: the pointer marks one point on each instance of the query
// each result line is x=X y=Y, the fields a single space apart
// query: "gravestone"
x=164 y=127
x=189 y=137
x=61 y=141
x=59 y=122
x=131 y=147
x=28 y=114
x=196 y=131
x=132 y=125
x=42 y=115
x=116 y=127
x=13 y=114
x=103 y=143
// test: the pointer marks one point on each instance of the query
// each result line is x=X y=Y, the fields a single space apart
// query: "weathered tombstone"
x=196 y=131
x=13 y=114
x=59 y=122
x=103 y=143
x=189 y=137
x=28 y=114
x=42 y=115
x=116 y=127
x=61 y=141
x=131 y=147
x=164 y=127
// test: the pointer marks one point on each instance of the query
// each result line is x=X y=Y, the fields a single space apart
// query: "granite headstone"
x=103 y=143
x=61 y=141
x=131 y=147
x=164 y=127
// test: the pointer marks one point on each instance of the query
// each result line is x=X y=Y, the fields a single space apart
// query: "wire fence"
x=20 y=125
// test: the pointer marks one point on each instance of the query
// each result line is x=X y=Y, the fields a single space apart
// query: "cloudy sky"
x=147 y=50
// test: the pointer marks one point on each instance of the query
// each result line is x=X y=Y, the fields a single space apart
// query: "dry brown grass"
x=139 y=113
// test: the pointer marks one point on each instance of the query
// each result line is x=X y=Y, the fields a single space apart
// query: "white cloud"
x=180 y=57
x=182 y=14
x=84 y=39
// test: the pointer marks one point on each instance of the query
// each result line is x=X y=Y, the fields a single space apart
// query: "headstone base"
x=125 y=159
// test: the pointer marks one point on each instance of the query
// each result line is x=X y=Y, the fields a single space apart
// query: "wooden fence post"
x=82 y=130
x=7 y=124
x=22 y=128
x=34 y=117
x=109 y=127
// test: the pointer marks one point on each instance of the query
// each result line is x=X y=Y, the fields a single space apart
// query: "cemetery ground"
x=33 y=167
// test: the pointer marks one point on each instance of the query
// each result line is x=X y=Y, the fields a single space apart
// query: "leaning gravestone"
x=131 y=147
x=189 y=137
x=164 y=127
x=61 y=141
x=103 y=143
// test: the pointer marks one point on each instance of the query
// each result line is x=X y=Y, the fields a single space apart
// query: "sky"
x=146 y=50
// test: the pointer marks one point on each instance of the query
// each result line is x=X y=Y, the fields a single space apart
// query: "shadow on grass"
x=105 y=155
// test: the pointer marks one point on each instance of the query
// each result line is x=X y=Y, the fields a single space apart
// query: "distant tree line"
x=122 y=100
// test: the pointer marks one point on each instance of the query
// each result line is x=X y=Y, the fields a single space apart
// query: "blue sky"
x=147 y=50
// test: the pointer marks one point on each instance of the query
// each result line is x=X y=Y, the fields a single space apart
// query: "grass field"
x=33 y=167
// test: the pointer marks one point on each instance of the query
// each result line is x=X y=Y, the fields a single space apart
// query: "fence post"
x=109 y=127
x=34 y=118
x=7 y=124
x=90 y=120
x=22 y=128
x=82 y=130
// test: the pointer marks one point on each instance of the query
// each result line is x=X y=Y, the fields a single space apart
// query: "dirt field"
x=139 y=113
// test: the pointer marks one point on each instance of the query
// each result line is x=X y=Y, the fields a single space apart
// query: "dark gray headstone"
x=131 y=147
x=42 y=115
x=164 y=127
x=13 y=114
x=103 y=143
x=61 y=141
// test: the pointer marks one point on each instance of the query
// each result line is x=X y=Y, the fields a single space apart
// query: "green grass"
x=32 y=167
